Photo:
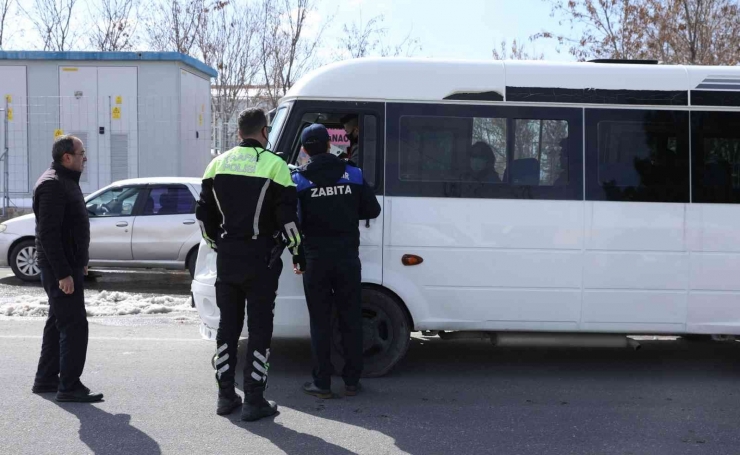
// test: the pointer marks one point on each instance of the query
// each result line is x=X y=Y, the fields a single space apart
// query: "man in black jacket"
x=333 y=197
x=62 y=241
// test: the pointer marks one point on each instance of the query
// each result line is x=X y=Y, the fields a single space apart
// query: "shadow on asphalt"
x=106 y=433
x=471 y=397
x=143 y=282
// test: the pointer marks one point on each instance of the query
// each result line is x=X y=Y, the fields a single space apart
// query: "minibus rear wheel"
x=386 y=334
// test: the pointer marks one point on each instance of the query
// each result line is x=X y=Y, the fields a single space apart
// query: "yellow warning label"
x=119 y=100
x=200 y=119
x=10 y=113
x=116 y=114
x=69 y=69
x=9 y=98
x=58 y=133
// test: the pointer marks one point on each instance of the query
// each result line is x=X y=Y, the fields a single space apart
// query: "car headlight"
x=3 y=227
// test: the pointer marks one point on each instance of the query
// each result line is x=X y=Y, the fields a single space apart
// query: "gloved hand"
x=299 y=263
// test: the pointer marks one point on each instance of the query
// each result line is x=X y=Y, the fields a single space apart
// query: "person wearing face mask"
x=248 y=200
x=482 y=164
x=352 y=128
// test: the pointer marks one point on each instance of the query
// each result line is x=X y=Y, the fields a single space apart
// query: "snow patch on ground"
x=100 y=304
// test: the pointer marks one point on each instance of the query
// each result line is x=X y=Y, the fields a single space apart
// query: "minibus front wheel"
x=385 y=337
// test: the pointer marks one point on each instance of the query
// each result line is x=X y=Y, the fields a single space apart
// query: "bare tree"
x=364 y=39
x=675 y=31
x=287 y=50
x=408 y=47
x=5 y=6
x=229 y=41
x=113 y=25
x=516 y=52
x=608 y=28
x=360 y=40
x=703 y=32
x=52 y=20
x=172 y=25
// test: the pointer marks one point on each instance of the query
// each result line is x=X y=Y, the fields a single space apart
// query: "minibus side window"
x=484 y=152
x=540 y=153
x=715 y=149
x=638 y=156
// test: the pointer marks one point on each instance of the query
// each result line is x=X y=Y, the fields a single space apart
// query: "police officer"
x=247 y=197
x=333 y=198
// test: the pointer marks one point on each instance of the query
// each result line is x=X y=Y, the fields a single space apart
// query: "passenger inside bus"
x=351 y=125
x=345 y=146
x=482 y=163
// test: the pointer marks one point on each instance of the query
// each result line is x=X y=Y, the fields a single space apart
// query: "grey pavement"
x=461 y=397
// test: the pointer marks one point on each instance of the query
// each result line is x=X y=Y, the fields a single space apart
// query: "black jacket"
x=62 y=223
x=332 y=198
x=247 y=193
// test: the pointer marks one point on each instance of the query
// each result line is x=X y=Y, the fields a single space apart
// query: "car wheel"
x=386 y=334
x=192 y=259
x=23 y=261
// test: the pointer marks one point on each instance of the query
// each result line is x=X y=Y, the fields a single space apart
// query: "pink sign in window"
x=338 y=136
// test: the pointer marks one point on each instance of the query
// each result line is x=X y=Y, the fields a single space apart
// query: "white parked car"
x=138 y=223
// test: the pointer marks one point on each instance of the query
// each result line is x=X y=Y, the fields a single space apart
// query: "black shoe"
x=311 y=389
x=227 y=402
x=79 y=395
x=45 y=388
x=256 y=407
x=352 y=390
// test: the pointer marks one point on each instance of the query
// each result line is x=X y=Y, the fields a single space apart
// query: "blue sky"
x=462 y=29
x=451 y=29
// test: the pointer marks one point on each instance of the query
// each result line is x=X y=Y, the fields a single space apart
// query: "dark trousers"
x=64 y=346
x=333 y=286
x=243 y=274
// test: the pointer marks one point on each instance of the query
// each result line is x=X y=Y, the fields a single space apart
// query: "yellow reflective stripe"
x=243 y=161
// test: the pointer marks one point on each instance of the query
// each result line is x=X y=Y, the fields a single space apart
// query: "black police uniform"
x=333 y=198
x=247 y=197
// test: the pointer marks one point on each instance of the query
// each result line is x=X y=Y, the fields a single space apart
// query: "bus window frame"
x=572 y=191
x=290 y=148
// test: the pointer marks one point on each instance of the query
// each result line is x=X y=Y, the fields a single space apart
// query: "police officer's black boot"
x=224 y=363
x=255 y=406
x=228 y=400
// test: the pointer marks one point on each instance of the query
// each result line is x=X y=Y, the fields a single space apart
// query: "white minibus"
x=528 y=201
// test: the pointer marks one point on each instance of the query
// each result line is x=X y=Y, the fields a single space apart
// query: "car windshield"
x=277 y=125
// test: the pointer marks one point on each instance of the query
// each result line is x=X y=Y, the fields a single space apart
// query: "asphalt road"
x=446 y=397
